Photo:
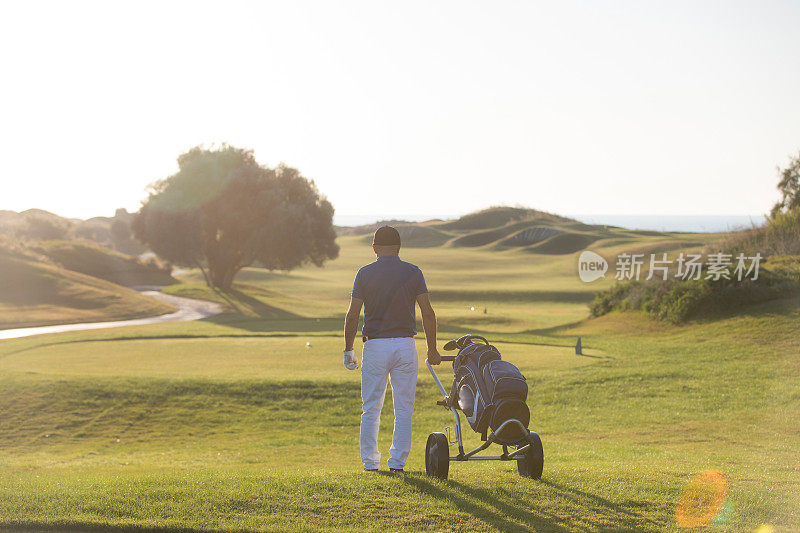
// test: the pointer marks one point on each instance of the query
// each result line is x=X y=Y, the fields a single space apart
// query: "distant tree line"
x=39 y=225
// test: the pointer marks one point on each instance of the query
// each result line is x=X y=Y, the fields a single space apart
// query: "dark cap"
x=386 y=236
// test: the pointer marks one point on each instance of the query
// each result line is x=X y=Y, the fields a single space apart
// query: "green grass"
x=37 y=293
x=235 y=424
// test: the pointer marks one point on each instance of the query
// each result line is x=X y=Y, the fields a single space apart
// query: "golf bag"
x=489 y=390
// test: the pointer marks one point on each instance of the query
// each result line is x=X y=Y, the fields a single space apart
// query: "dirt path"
x=188 y=309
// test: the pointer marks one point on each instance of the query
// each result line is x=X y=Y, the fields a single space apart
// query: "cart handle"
x=447 y=399
x=436 y=379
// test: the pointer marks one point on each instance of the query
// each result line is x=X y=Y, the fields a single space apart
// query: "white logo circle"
x=591 y=266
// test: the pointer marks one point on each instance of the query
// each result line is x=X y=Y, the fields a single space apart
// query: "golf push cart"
x=491 y=393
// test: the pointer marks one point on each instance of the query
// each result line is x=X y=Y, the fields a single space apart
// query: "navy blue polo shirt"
x=389 y=288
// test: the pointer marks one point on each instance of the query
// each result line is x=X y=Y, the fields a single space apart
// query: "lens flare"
x=702 y=500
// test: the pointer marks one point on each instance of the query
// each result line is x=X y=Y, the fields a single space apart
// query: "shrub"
x=677 y=301
x=779 y=236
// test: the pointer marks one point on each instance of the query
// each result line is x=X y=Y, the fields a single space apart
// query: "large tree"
x=223 y=211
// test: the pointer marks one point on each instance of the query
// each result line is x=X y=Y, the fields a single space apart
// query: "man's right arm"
x=351 y=322
x=429 y=325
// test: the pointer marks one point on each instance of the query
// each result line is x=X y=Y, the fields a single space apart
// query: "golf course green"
x=248 y=420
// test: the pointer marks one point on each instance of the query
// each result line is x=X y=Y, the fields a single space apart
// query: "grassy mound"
x=482 y=238
x=563 y=243
x=498 y=216
x=35 y=293
x=37 y=224
x=105 y=264
x=529 y=236
x=517 y=234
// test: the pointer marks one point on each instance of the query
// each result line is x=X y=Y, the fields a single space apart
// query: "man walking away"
x=388 y=290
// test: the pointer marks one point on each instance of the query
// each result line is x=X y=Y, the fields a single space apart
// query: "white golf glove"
x=350 y=360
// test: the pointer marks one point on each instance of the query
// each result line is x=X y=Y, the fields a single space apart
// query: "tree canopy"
x=224 y=211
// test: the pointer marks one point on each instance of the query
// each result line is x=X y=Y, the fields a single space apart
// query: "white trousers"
x=382 y=359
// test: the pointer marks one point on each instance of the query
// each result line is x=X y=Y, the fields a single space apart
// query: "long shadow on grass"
x=512 y=512
x=594 y=356
x=448 y=331
x=553 y=329
x=235 y=297
x=622 y=513
x=44 y=527
x=493 y=512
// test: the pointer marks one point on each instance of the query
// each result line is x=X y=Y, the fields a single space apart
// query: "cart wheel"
x=532 y=462
x=437 y=456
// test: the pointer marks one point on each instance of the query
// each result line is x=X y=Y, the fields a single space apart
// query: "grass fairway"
x=235 y=424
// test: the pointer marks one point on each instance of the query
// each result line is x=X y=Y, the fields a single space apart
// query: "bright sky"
x=407 y=107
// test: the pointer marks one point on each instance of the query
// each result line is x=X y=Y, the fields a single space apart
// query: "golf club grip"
x=472 y=337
